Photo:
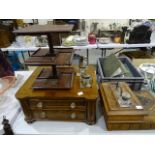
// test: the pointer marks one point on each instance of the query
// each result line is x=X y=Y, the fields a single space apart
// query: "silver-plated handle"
x=73 y=116
x=40 y=105
x=43 y=115
x=73 y=105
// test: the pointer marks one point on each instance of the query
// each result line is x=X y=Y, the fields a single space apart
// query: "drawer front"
x=59 y=115
x=57 y=104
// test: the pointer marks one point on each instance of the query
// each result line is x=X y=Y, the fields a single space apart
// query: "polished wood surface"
x=43 y=29
x=118 y=118
x=6 y=35
x=4 y=38
x=59 y=104
x=63 y=81
x=51 y=57
x=62 y=58
x=47 y=30
x=47 y=80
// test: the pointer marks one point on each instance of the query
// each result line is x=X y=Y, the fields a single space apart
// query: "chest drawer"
x=57 y=104
x=59 y=115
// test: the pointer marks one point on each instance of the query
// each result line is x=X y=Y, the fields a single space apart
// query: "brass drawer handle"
x=73 y=105
x=73 y=116
x=40 y=105
x=43 y=115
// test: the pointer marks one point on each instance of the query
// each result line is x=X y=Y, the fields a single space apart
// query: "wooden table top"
x=26 y=90
x=43 y=29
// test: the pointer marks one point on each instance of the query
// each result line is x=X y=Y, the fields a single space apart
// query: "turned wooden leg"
x=91 y=112
x=28 y=115
x=29 y=121
x=92 y=123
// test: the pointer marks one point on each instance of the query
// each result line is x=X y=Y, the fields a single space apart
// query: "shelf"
x=62 y=58
x=46 y=72
x=45 y=52
x=43 y=29
x=52 y=79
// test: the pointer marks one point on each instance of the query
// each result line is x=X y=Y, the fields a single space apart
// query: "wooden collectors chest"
x=75 y=104
x=119 y=118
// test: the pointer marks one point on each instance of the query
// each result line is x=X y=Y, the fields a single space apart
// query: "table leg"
x=91 y=112
x=103 y=52
x=87 y=56
x=29 y=53
x=23 y=56
x=25 y=67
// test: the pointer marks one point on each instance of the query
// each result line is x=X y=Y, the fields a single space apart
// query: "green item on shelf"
x=113 y=67
x=69 y=41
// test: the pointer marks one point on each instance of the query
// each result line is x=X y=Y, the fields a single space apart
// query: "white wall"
x=44 y=21
x=41 y=21
x=102 y=23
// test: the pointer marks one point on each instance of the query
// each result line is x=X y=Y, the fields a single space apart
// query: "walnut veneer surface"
x=118 y=118
x=67 y=105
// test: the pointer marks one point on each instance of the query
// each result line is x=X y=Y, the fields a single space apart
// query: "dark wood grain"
x=57 y=104
x=119 y=118
x=47 y=30
x=64 y=81
x=54 y=79
x=63 y=57
x=43 y=29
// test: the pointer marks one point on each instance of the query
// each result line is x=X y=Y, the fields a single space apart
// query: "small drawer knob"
x=73 y=105
x=43 y=115
x=40 y=105
x=73 y=115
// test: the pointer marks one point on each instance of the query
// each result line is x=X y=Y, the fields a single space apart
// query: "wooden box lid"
x=111 y=104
